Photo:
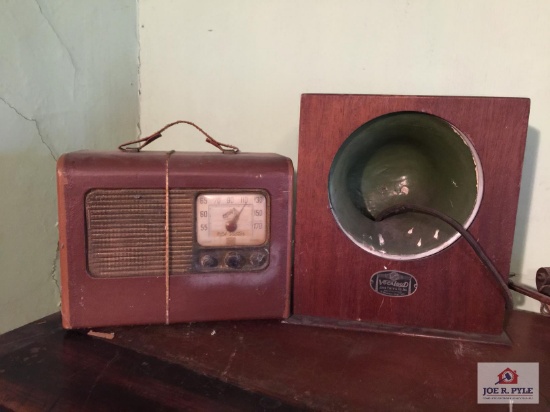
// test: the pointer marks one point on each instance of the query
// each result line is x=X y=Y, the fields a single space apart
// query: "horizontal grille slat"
x=126 y=215
x=150 y=243
x=126 y=232
x=123 y=272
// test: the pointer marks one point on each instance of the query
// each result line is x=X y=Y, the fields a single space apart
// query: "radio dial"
x=232 y=219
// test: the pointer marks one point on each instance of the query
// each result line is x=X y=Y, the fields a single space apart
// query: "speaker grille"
x=126 y=232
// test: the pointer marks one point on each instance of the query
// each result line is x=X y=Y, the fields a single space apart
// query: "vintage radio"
x=154 y=237
x=455 y=158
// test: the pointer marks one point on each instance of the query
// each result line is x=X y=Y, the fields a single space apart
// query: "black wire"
x=406 y=208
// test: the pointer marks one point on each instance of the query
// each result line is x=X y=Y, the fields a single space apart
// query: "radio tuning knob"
x=258 y=258
x=234 y=260
x=209 y=261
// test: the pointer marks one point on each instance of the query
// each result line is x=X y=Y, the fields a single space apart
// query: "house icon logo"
x=507 y=377
x=518 y=382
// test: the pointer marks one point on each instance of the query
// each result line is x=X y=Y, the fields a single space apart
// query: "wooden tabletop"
x=256 y=366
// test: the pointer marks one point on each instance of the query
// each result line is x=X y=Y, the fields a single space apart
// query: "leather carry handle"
x=141 y=143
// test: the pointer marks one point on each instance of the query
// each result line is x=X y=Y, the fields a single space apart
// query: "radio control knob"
x=209 y=261
x=258 y=258
x=234 y=260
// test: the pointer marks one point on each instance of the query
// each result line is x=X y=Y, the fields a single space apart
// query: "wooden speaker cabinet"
x=156 y=237
x=359 y=154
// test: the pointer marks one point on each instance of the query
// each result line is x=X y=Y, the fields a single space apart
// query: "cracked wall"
x=69 y=81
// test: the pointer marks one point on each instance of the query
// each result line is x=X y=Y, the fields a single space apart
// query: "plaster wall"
x=68 y=81
x=237 y=68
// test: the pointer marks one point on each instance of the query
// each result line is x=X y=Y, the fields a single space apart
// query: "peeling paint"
x=53 y=271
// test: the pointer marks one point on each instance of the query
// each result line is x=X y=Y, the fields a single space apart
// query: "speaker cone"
x=404 y=158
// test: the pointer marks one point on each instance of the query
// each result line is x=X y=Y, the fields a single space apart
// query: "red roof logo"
x=507 y=377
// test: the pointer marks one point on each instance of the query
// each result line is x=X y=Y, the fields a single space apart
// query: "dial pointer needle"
x=231 y=225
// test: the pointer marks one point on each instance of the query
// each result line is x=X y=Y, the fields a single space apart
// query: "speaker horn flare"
x=404 y=158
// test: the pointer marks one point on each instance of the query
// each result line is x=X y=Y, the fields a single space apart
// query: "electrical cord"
x=406 y=208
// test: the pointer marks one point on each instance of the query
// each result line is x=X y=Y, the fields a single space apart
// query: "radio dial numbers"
x=231 y=219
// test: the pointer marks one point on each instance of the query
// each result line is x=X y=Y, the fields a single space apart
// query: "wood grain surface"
x=455 y=291
x=256 y=366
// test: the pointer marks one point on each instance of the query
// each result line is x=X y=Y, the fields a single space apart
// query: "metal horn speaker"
x=404 y=158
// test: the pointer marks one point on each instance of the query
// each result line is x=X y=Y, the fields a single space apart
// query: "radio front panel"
x=209 y=231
